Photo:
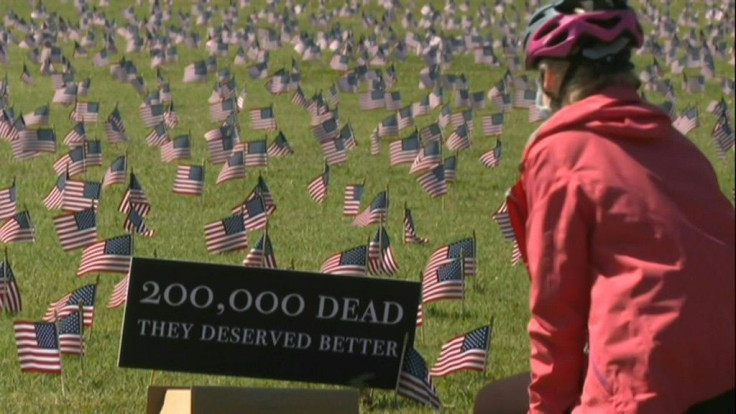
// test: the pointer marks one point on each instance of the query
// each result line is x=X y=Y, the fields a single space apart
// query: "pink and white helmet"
x=594 y=29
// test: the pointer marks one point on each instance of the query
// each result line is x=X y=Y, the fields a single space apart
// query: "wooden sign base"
x=227 y=400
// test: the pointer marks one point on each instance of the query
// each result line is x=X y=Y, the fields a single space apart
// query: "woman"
x=627 y=237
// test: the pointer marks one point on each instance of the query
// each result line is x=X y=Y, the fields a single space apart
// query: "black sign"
x=263 y=323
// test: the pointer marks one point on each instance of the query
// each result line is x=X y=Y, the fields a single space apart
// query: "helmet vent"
x=605 y=23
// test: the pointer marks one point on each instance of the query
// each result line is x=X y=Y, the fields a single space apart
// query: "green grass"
x=301 y=230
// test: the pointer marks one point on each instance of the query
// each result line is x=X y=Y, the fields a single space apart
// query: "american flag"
x=502 y=218
x=135 y=224
x=8 y=201
x=450 y=165
x=723 y=135
x=375 y=142
x=393 y=100
x=115 y=127
x=30 y=142
x=158 y=136
x=195 y=72
x=233 y=169
x=492 y=125
x=70 y=302
x=219 y=111
x=421 y=108
x=327 y=130
x=299 y=99
x=320 y=185
x=410 y=234
x=117 y=173
x=262 y=190
x=189 y=180
x=80 y=195
x=388 y=126
x=371 y=100
x=74 y=162
x=55 y=198
x=348 y=136
x=524 y=98
x=465 y=352
x=446 y=282
x=377 y=212
x=112 y=255
x=65 y=95
x=404 y=118
x=353 y=198
x=177 y=149
x=431 y=132
x=10 y=300
x=254 y=213
x=78 y=229
x=119 y=293
x=263 y=119
x=71 y=334
x=41 y=116
x=434 y=182
x=18 y=229
x=405 y=150
x=76 y=136
x=261 y=255
x=462 y=98
x=445 y=254
x=256 y=153
x=152 y=115
x=460 y=138
x=414 y=381
x=38 y=347
x=335 y=151
x=687 y=121
x=381 y=258
x=280 y=146
x=135 y=198
x=171 y=119
x=351 y=262
x=87 y=112
x=492 y=158
x=222 y=147
x=93 y=153
x=226 y=235
x=428 y=158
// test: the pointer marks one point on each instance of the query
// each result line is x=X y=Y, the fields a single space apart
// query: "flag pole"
x=81 y=332
x=265 y=238
x=401 y=367
x=5 y=281
x=405 y=208
x=91 y=331
x=58 y=343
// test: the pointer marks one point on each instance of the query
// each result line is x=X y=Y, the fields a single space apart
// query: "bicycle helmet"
x=593 y=29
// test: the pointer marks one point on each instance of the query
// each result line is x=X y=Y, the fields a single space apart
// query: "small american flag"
x=158 y=136
x=353 y=198
x=112 y=255
x=375 y=142
x=492 y=158
x=372 y=100
x=348 y=136
x=502 y=218
x=93 y=153
x=460 y=138
x=18 y=229
x=152 y=115
x=56 y=196
x=723 y=135
x=222 y=147
x=410 y=234
x=492 y=125
x=76 y=136
x=41 y=116
x=431 y=132
x=414 y=381
x=377 y=212
x=177 y=149
x=38 y=347
x=70 y=302
x=117 y=173
x=465 y=352
x=254 y=213
x=381 y=258
x=81 y=195
x=434 y=181
x=405 y=118
x=78 y=229
x=450 y=165
x=280 y=146
x=74 y=161
x=351 y=262
x=446 y=282
x=687 y=121
x=428 y=158
x=445 y=254
x=319 y=186
x=263 y=119
x=393 y=100
x=256 y=153
x=71 y=334
x=524 y=98
x=10 y=300
x=326 y=130
x=299 y=99
x=219 y=111
x=388 y=126
x=8 y=201
x=233 y=169
x=31 y=142
x=226 y=235
x=261 y=255
x=335 y=151
x=135 y=224
x=405 y=150
x=189 y=180
x=196 y=72
x=87 y=112
x=119 y=293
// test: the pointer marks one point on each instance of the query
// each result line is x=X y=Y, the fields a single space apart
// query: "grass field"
x=300 y=230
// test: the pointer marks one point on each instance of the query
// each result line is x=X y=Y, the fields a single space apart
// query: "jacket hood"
x=615 y=112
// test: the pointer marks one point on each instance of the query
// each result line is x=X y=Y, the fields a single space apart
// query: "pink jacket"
x=630 y=246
